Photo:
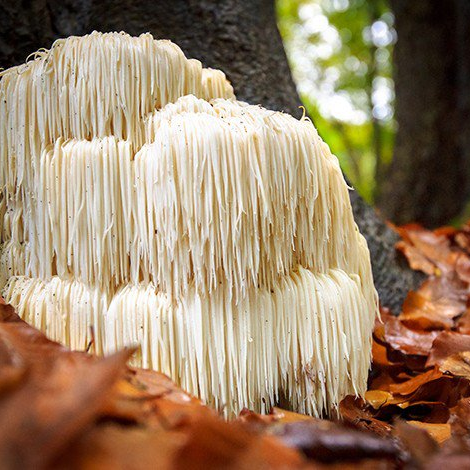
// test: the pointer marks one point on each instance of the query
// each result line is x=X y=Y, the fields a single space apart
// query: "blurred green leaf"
x=340 y=53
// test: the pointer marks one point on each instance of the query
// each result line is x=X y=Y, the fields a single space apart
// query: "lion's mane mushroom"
x=139 y=198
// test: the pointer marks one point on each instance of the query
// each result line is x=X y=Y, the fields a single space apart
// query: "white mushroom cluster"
x=143 y=205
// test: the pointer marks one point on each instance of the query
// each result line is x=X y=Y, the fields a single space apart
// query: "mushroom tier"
x=93 y=86
x=222 y=192
x=306 y=340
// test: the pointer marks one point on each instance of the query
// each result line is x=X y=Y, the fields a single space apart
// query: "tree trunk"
x=241 y=38
x=428 y=181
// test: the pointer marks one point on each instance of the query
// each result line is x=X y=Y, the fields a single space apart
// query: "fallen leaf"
x=446 y=344
x=116 y=446
x=355 y=411
x=457 y=364
x=462 y=267
x=328 y=443
x=440 y=432
x=213 y=443
x=48 y=411
x=426 y=386
x=434 y=306
x=417 y=260
x=435 y=247
x=417 y=441
x=463 y=323
x=454 y=454
x=460 y=418
x=449 y=462
x=406 y=340
x=462 y=239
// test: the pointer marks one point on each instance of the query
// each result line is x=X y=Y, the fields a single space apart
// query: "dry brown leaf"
x=462 y=267
x=424 y=314
x=417 y=260
x=457 y=364
x=454 y=454
x=406 y=340
x=382 y=381
x=116 y=446
x=463 y=323
x=446 y=344
x=412 y=385
x=417 y=441
x=213 y=443
x=328 y=442
x=150 y=398
x=440 y=432
x=378 y=398
x=449 y=462
x=435 y=246
x=462 y=239
x=45 y=413
x=460 y=418
x=355 y=411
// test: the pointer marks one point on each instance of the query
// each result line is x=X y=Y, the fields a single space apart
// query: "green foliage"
x=340 y=54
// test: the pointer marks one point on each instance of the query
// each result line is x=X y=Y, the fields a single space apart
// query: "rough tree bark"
x=241 y=38
x=429 y=179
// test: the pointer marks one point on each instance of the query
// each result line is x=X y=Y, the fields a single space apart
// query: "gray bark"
x=239 y=37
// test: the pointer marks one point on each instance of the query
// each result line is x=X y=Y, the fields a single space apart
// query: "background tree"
x=429 y=179
x=238 y=37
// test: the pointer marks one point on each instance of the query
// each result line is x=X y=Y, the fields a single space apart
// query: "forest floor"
x=64 y=409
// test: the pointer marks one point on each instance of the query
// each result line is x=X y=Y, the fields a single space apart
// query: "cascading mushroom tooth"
x=143 y=204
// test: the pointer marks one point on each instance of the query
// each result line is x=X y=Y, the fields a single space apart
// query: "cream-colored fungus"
x=142 y=204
